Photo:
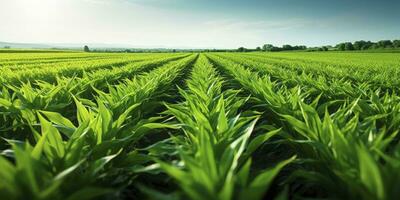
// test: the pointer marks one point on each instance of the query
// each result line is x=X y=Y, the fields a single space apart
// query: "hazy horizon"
x=198 y=24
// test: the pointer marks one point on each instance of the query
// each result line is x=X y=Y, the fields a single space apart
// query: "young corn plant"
x=68 y=162
x=341 y=145
x=216 y=151
x=79 y=158
x=140 y=88
x=18 y=104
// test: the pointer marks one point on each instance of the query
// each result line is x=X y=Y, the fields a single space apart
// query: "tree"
x=86 y=48
x=303 y=47
x=348 y=46
x=341 y=46
x=287 y=47
x=396 y=43
x=374 y=46
x=267 y=47
x=258 y=49
x=358 y=45
x=241 y=49
x=385 y=44
x=7 y=47
x=367 y=45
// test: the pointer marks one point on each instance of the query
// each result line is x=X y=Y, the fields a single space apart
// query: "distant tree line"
x=286 y=47
x=134 y=50
x=345 y=46
x=365 y=45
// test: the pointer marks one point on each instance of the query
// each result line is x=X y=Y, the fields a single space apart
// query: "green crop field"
x=202 y=126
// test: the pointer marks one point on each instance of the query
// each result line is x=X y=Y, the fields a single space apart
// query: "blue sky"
x=199 y=23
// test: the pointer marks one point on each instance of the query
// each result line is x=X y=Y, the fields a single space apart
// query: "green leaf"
x=370 y=174
x=57 y=118
x=259 y=140
x=67 y=171
x=243 y=174
x=82 y=112
x=26 y=167
x=53 y=136
x=7 y=176
x=261 y=183
x=121 y=119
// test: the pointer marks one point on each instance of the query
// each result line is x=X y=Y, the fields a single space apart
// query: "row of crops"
x=199 y=126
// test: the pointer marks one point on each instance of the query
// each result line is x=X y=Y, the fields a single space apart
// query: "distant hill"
x=76 y=46
x=57 y=45
x=25 y=45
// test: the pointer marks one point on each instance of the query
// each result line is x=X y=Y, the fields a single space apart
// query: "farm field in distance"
x=287 y=125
